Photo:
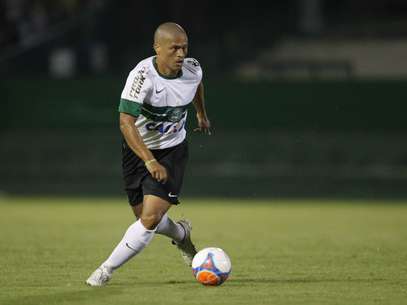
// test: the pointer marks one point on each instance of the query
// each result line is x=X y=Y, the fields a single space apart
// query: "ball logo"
x=208 y=264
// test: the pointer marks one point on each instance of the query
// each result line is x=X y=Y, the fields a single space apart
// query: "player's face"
x=174 y=51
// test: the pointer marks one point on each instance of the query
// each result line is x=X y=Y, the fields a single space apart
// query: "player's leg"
x=134 y=170
x=153 y=210
x=166 y=227
x=136 y=238
x=140 y=233
x=171 y=229
x=179 y=232
x=137 y=209
x=174 y=160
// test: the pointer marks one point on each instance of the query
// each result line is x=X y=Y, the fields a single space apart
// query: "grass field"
x=283 y=252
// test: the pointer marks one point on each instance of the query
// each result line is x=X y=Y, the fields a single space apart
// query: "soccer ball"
x=211 y=266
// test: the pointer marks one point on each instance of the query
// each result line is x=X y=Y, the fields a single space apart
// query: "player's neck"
x=164 y=70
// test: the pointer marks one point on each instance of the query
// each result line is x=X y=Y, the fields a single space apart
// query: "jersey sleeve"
x=137 y=87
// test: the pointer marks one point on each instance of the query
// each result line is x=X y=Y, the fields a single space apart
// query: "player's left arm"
x=204 y=124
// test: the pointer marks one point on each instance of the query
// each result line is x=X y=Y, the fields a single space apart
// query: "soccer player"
x=153 y=112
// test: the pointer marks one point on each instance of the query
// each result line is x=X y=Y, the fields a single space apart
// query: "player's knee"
x=150 y=221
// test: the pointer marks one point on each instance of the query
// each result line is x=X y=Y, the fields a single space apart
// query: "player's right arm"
x=136 y=143
x=134 y=92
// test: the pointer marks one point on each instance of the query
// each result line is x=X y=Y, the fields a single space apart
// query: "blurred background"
x=307 y=98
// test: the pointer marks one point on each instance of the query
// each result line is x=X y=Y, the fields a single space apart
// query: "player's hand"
x=157 y=171
x=204 y=125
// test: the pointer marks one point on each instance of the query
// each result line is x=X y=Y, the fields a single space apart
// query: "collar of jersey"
x=162 y=75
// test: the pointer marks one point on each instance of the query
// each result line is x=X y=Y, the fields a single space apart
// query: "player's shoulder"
x=139 y=79
x=143 y=68
x=193 y=66
x=192 y=63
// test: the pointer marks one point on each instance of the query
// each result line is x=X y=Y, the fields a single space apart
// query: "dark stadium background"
x=306 y=98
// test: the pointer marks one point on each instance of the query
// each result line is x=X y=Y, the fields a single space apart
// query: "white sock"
x=134 y=240
x=171 y=229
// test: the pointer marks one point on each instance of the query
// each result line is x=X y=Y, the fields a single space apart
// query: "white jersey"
x=160 y=103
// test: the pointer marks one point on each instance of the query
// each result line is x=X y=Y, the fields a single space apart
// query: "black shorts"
x=139 y=182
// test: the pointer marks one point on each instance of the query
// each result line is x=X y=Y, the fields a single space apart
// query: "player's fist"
x=204 y=125
x=157 y=171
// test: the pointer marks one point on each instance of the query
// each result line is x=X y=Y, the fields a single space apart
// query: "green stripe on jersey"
x=130 y=107
x=163 y=109
x=164 y=114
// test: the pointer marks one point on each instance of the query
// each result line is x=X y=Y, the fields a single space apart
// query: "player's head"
x=171 y=45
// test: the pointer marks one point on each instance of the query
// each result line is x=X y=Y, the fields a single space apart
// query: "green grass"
x=283 y=252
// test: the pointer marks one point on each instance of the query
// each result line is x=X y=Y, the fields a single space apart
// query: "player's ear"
x=157 y=48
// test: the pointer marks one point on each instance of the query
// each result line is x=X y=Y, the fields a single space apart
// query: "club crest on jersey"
x=137 y=83
x=175 y=115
